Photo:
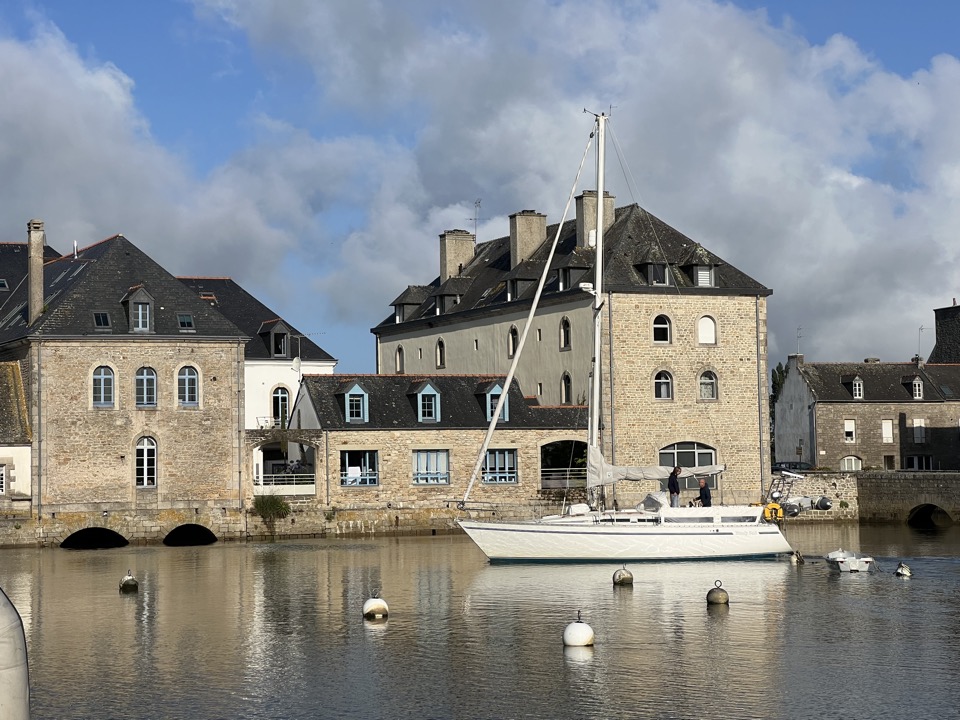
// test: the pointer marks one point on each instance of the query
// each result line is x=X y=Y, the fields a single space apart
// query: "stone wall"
x=736 y=423
x=87 y=456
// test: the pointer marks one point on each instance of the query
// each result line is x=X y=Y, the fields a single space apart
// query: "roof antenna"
x=476 y=216
x=799 y=335
x=74 y=249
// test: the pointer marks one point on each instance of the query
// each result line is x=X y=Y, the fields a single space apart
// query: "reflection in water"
x=276 y=631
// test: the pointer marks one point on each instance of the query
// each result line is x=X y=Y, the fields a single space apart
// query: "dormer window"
x=398 y=313
x=917 y=389
x=141 y=317
x=356 y=405
x=139 y=304
x=564 y=279
x=703 y=276
x=657 y=274
x=428 y=404
x=493 y=397
x=857 y=389
x=281 y=346
x=512 y=290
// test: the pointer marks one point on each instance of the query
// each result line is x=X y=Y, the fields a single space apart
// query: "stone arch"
x=189 y=534
x=929 y=515
x=93 y=538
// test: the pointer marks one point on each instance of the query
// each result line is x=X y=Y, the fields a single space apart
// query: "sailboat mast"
x=598 y=287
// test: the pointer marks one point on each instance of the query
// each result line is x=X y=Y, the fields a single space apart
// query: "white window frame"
x=398 y=360
x=851 y=463
x=141 y=317
x=146 y=463
x=564 y=334
x=365 y=470
x=280 y=406
x=886 y=431
x=441 y=354
x=662 y=324
x=704 y=276
x=857 y=389
x=188 y=386
x=663 y=386
x=849 y=431
x=103 y=387
x=566 y=389
x=145 y=386
x=708 y=382
x=917 y=389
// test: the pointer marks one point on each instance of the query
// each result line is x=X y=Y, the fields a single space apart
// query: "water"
x=275 y=631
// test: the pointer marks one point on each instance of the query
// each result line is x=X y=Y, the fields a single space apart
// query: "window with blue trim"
x=493 y=397
x=500 y=467
x=356 y=405
x=428 y=405
x=431 y=467
x=103 y=387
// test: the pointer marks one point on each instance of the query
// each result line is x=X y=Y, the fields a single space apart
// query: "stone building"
x=870 y=415
x=132 y=384
x=684 y=335
x=414 y=440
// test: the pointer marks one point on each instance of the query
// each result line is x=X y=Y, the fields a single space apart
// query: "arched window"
x=689 y=455
x=146 y=387
x=398 y=360
x=103 y=387
x=857 y=389
x=565 y=389
x=188 y=386
x=441 y=354
x=708 y=385
x=564 y=334
x=851 y=463
x=513 y=339
x=707 y=330
x=663 y=386
x=146 y=463
x=281 y=407
x=661 y=329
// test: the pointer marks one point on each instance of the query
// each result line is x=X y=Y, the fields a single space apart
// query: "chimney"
x=36 y=241
x=528 y=230
x=457 y=248
x=587 y=215
x=872 y=361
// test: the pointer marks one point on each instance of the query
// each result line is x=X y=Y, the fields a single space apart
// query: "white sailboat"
x=652 y=530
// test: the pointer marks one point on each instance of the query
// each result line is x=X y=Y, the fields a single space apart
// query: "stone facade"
x=85 y=457
x=735 y=424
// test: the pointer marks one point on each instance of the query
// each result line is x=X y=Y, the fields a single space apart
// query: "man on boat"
x=705 y=500
x=673 y=487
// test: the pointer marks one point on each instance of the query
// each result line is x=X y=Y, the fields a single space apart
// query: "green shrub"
x=271 y=507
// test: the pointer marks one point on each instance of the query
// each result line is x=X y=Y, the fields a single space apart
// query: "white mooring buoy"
x=128 y=583
x=14 y=676
x=717 y=595
x=578 y=634
x=623 y=577
x=375 y=609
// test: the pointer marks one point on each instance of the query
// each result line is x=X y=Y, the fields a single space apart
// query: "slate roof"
x=252 y=317
x=14 y=419
x=634 y=239
x=97 y=279
x=392 y=403
x=882 y=382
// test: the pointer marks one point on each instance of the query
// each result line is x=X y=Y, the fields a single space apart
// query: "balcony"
x=286 y=484
x=559 y=478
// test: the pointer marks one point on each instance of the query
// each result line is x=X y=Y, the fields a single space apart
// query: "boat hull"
x=529 y=541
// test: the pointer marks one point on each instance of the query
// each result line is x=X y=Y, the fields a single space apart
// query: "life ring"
x=772 y=512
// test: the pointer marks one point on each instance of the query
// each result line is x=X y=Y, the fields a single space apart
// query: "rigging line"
x=631 y=188
x=526 y=329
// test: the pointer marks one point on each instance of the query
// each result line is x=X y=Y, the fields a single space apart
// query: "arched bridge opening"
x=929 y=516
x=94 y=538
x=189 y=534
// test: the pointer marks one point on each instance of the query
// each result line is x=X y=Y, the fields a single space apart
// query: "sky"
x=314 y=152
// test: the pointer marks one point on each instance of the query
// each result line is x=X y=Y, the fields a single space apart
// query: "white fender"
x=14 y=672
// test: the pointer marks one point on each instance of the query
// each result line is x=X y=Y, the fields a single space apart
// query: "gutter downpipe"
x=241 y=433
x=39 y=430
x=326 y=454
x=761 y=382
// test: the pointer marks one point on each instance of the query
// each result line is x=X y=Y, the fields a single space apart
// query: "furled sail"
x=600 y=472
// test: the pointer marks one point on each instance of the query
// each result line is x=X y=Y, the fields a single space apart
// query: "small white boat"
x=903 y=570
x=849 y=561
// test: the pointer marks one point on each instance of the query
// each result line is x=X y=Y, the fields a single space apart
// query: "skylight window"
x=185 y=321
x=4 y=286
x=101 y=320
